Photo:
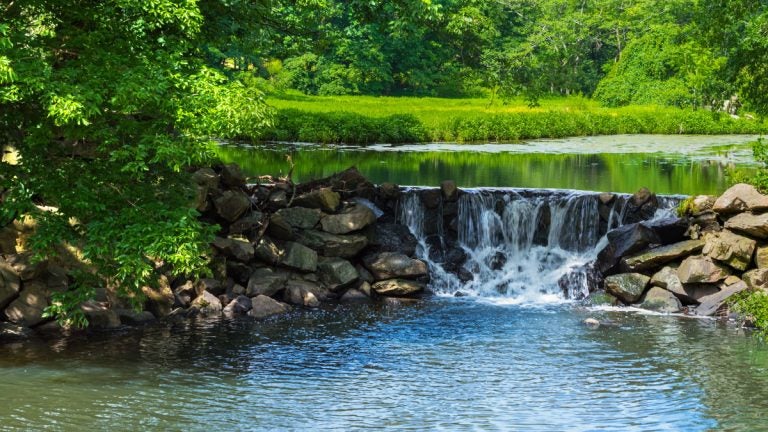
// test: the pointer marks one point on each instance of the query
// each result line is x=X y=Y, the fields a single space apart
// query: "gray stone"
x=324 y=199
x=300 y=217
x=592 y=322
x=239 y=306
x=232 y=176
x=27 y=309
x=655 y=257
x=99 y=315
x=298 y=294
x=627 y=287
x=660 y=300
x=398 y=287
x=10 y=284
x=755 y=225
x=279 y=228
x=299 y=257
x=266 y=281
x=354 y=296
x=702 y=203
x=278 y=198
x=333 y=245
x=236 y=247
x=336 y=273
x=730 y=248
x=207 y=304
x=393 y=265
x=206 y=177
x=366 y=289
x=389 y=191
x=230 y=205
x=264 y=307
x=391 y=237
x=249 y=223
x=449 y=190
x=365 y=275
x=740 y=197
x=756 y=279
x=624 y=241
x=711 y=303
x=701 y=269
x=351 y=219
x=132 y=317
x=268 y=251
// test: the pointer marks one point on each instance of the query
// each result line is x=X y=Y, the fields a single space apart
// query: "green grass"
x=366 y=119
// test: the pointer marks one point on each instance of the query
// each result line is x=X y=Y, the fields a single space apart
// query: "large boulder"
x=398 y=287
x=739 y=198
x=238 y=306
x=27 y=310
x=99 y=315
x=354 y=296
x=351 y=219
x=324 y=199
x=266 y=281
x=623 y=241
x=668 y=230
x=231 y=204
x=660 y=300
x=232 y=176
x=268 y=251
x=689 y=293
x=10 y=284
x=333 y=245
x=263 y=307
x=755 y=225
x=391 y=237
x=236 y=247
x=393 y=265
x=711 y=303
x=627 y=287
x=336 y=273
x=756 y=279
x=641 y=206
x=701 y=269
x=207 y=304
x=299 y=257
x=655 y=257
x=301 y=293
x=730 y=248
x=300 y=217
x=279 y=228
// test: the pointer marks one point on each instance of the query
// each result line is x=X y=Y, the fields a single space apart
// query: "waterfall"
x=527 y=246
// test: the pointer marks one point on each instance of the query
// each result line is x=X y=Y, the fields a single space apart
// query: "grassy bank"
x=366 y=119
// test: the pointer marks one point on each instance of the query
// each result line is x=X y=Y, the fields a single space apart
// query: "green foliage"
x=758 y=179
x=684 y=208
x=752 y=305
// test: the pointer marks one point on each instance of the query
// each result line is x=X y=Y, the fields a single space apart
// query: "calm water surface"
x=675 y=164
x=450 y=364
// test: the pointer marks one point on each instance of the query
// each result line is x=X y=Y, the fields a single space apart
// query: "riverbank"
x=366 y=119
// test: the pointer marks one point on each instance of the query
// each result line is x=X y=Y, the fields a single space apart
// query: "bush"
x=753 y=306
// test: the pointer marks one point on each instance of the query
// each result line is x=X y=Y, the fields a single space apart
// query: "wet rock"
x=264 y=307
x=230 y=205
x=324 y=199
x=351 y=219
x=740 y=197
x=606 y=198
x=10 y=332
x=10 y=284
x=336 y=273
x=711 y=303
x=755 y=225
x=389 y=191
x=591 y=322
x=299 y=257
x=185 y=293
x=641 y=206
x=132 y=317
x=27 y=309
x=266 y=281
x=392 y=265
x=601 y=298
x=333 y=245
x=279 y=228
x=430 y=198
x=655 y=257
x=398 y=287
x=627 y=287
x=298 y=293
x=756 y=279
x=449 y=190
x=300 y=217
x=390 y=237
x=669 y=230
x=701 y=269
x=239 y=306
x=366 y=289
x=660 y=300
x=99 y=315
x=730 y=248
x=365 y=275
x=235 y=247
x=207 y=303
x=354 y=296
x=232 y=176
x=623 y=241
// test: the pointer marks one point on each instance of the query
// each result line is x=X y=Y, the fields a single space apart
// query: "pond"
x=675 y=164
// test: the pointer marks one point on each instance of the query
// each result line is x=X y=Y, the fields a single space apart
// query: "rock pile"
x=692 y=264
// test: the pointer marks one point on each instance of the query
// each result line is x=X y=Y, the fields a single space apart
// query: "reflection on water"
x=445 y=363
x=665 y=164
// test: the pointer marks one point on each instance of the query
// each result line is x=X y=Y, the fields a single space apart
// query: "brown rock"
x=351 y=219
x=739 y=198
x=264 y=307
x=655 y=257
x=711 y=303
x=730 y=248
x=398 y=287
x=755 y=225
x=701 y=269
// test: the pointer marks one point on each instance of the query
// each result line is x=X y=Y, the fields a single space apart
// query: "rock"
x=266 y=281
x=10 y=284
x=238 y=290
x=268 y=251
x=627 y=287
x=701 y=204
x=655 y=257
x=99 y=315
x=247 y=224
x=185 y=293
x=393 y=265
x=235 y=247
x=688 y=294
x=333 y=245
x=701 y=269
x=391 y=237
x=398 y=287
x=25 y=267
x=623 y=241
x=750 y=224
x=324 y=199
x=641 y=206
x=354 y=296
x=591 y=322
x=761 y=256
x=278 y=199
x=300 y=217
x=239 y=306
x=8 y=240
x=160 y=299
x=132 y=317
x=365 y=275
x=207 y=304
x=232 y=176
x=730 y=248
x=449 y=190
x=239 y=272
x=431 y=198
x=389 y=191
x=279 y=228
x=27 y=310
x=336 y=273
x=601 y=298
x=756 y=279
x=660 y=300
x=10 y=331
x=606 y=198
x=705 y=222
x=730 y=280
x=642 y=196
x=206 y=177
x=366 y=289
x=711 y=303
x=230 y=205
x=669 y=230
x=264 y=307
x=739 y=198
x=213 y=286
x=298 y=293
x=299 y=257
x=351 y=219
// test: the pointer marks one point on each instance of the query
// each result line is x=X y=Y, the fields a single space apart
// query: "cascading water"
x=526 y=246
